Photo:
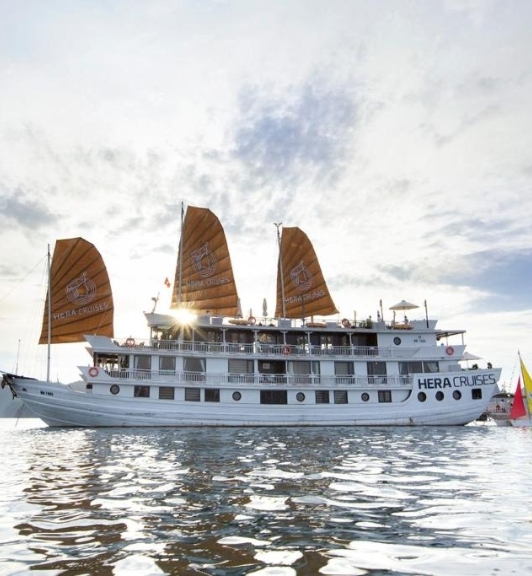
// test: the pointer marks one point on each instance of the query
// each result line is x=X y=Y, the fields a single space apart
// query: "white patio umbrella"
x=403 y=305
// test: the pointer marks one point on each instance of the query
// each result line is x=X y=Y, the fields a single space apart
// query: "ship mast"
x=278 y=226
x=180 y=275
x=49 y=335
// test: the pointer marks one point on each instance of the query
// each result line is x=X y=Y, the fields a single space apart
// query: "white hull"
x=522 y=422
x=503 y=420
x=12 y=407
x=63 y=405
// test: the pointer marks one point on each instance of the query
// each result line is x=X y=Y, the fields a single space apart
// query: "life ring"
x=346 y=323
x=93 y=371
x=130 y=342
x=449 y=350
x=286 y=350
x=252 y=320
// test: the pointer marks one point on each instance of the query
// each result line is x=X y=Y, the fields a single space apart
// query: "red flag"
x=167 y=282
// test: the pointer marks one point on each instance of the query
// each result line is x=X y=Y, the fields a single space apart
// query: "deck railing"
x=167 y=377
x=257 y=349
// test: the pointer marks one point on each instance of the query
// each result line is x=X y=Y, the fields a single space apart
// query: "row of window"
x=281 y=396
x=240 y=366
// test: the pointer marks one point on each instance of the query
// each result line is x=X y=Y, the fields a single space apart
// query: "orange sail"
x=81 y=296
x=301 y=281
x=204 y=279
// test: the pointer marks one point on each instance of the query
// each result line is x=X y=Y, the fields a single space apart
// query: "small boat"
x=521 y=411
x=200 y=367
x=499 y=408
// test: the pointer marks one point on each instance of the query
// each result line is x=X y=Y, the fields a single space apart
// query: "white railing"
x=166 y=377
x=257 y=349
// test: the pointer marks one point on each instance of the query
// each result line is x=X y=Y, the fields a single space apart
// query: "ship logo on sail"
x=301 y=277
x=81 y=290
x=204 y=261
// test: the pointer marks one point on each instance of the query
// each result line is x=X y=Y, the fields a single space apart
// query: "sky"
x=396 y=133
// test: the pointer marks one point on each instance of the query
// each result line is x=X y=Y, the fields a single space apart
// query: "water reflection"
x=266 y=501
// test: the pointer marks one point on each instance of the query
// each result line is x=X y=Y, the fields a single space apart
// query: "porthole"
x=237 y=396
x=300 y=397
x=422 y=396
x=439 y=396
x=397 y=340
x=457 y=395
x=115 y=389
x=365 y=397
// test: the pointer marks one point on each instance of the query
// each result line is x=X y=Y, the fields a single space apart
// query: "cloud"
x=18 y=208
x=301 y=134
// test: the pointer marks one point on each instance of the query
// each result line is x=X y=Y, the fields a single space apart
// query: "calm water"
x=265 y=501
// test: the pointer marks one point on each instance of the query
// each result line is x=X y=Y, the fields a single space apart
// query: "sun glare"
x=184 y=316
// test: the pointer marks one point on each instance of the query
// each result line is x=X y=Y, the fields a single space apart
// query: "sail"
x=527 y=385
x=518 y=406
x=81 y=297
x=300 y=279
x=204 y=280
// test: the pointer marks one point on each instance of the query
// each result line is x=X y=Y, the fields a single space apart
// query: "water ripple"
x=266 y=501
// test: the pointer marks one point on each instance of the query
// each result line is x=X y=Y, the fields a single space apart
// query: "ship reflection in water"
x=266 y=501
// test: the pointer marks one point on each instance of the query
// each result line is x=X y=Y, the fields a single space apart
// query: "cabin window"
x=299 y=340
x=476 y=393
x=272 y=367
x=142 y=367
x=240 y=366
x=213 y=336
x=385 y=396
x=344 y=368
x=406 y=368
x=457 y=394
x=300 y=397
x=192 y=394
x=194 y=369
x=340 y=396
x=240 y=370
x=422 y=397
x=269 y=338
x=305 y=371
x=237 y=396
x=344 y=372
x=141 y=392
x=431 y=367
x=240 y=337
x=167 y=364
x=115 y=389
x=325 y=341
x=364 y=397
x=439 y=395
x=322 y=397
x=166 y=393
x=212 y=395
x=376 y=372
x=273 y=397
x=305 y=367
